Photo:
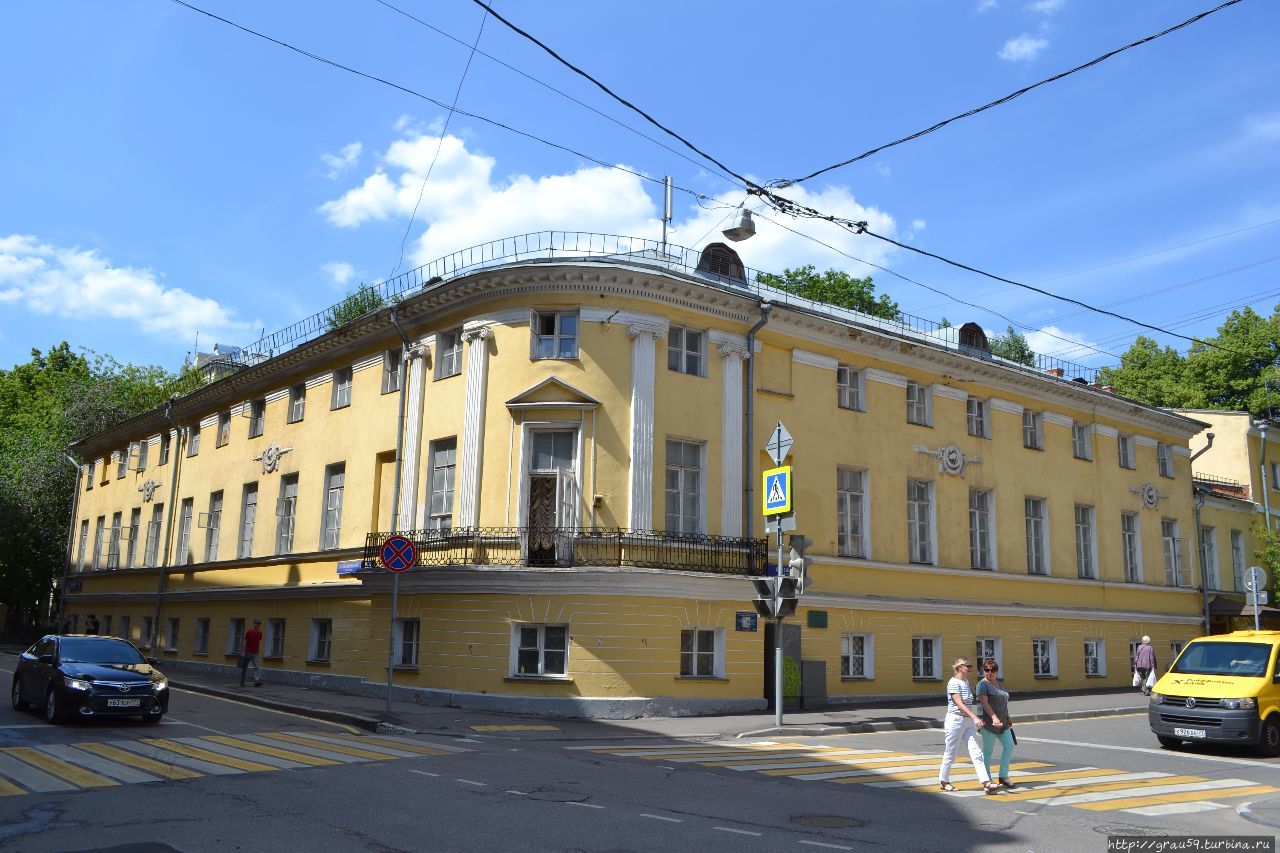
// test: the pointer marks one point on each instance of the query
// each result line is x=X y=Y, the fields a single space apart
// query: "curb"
x=370 y=724
x=903 y=725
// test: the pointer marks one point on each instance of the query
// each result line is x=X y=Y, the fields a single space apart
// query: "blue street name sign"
x=746 y=621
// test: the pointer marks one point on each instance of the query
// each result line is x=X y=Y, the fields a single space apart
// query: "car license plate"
x=1189 y=733
x=136 y=703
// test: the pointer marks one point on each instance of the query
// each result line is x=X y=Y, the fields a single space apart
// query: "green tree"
x=354 y=305
x=46 y=404
x=1014 y=347
x=1239 y=373
x=1151 y=374
x=834 y=287
x=1268 y=555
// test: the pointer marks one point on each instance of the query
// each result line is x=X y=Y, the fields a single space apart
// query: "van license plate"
x=137 y=703
x=1189 y=733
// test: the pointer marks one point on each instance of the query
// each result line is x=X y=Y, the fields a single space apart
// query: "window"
x=1044 y=657
x=1175 y=649
x=286 y=512
x=449 y=353
x=200 y=644
x=89 y=479
x=235 y=636
x=257 y=418
x=699 y=656
x=1086 y=565
x=555 y=334
x=919 y=521
x=1209 y=557
x=444 y=462
x=98 y=530
x=126 y=629
x=213 y=527
x=224 y=430
x=851 y=512
x=981 y=555
x=857 y=656
x=143 y=447
x=1095 y=658
x=391 y=362
x=106 y=625
x=1275 y=475
x=122 y=463
x=684 y=487
x=135 y=522
x=685 y=351
x=1081 y=440
x=84 y=545
x=1164 y=459
x=321 y=643
x=171 y=634
x=274 y=639
x=184 y=530
x=149 y=554
x=405 y=642
x=193 y=440
x=925 y=662
x=341 y=388
x=988 y=648
x=1237 y=559
x=1033 y=430
x=1037 y=563
x=1131 y=544
x=541 y=650
x=147 y=635
x=331 y=528
x=918 y=403
x=849 y=388
x=166 y=440
x=297 y=402
x=1124 y=449
x=113 y=543
x=1172 y=552
x=976 y=415
x=248 y=519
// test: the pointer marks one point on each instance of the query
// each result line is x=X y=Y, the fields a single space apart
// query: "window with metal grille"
x=988 y=648
x=1095 y=658
x=857 y=657
x=924 y=657
x=1044 y=657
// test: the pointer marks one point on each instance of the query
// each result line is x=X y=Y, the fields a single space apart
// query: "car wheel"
x=52 y=712
x=1269 y=743
x=1169 y=742
x=19 y=704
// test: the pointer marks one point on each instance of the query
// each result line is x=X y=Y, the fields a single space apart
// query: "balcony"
x=564 y=547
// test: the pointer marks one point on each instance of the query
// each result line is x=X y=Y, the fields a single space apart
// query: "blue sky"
x=168 y=181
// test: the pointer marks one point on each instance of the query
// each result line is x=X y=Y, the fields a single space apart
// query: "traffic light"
x=769 y=606
x=797 y=563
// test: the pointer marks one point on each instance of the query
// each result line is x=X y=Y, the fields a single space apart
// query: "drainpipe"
x=749 y=415
x=175 y=457
x=1199 y=494
x=71 y=527
x=395 y=497
x=1266 y=488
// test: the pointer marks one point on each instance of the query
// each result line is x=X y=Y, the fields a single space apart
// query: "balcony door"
x=553 y=495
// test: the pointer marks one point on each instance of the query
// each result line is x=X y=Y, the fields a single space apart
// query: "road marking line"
x=1067 y=788
x=166 y=771
x=31 y=778
x=263 y=749
x=369 y=744
x=1175 y=797
x=207 y=755
x=1204 y=787
x=519 y=793
x=825 y=844
x=1028 y=814
x=584 y=805
x=306 y=749
x=896 y=765
x=1178 y=808
x=8 y=789
x=515 y=729
x=56 y=766
x=470 y=782
x=424 y=773
x=1262 y=765
x=329 y=747
x=783 y=759
x=737 y=831
x=660 y=817
x=255 y=756
x=410 y=744
x=925 y=776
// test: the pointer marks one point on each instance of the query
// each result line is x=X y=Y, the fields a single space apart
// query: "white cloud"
x=340 y=271
x=1262 y=128
x=1024 y=48
x=339 y=163
x=1051 y=340
x=918 y=225
x=1047 y=7
x=985 y=5
x=81 y=285
x=462 y=205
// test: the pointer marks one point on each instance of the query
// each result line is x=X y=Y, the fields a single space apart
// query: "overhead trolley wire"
x=1006 y=99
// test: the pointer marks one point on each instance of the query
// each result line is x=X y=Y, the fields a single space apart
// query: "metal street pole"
x=777 y=636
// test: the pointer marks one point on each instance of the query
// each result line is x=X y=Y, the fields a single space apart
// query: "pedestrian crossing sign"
x=777 y=490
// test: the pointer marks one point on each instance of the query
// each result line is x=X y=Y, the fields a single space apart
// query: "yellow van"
x=1224 y=688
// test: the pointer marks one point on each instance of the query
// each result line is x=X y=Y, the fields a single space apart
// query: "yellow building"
x=581 y=423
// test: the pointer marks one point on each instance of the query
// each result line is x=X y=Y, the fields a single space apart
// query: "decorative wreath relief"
x=148 y=490
x=1150 y=497
x=951 y=459
x=270 y=457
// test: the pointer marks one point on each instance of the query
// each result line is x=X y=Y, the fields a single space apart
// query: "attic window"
x=719 y=259
x=973 y=338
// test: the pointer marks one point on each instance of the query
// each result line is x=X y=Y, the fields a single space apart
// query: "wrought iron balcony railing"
x=567 y=546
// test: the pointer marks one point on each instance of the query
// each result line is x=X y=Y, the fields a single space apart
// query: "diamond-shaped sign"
x=779 y=444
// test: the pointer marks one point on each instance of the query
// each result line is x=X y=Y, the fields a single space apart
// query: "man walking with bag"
x=252 y=651
x=1144 y=663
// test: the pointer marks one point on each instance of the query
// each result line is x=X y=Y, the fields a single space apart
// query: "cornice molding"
x=946 y=392
x=884 y=377
x=1106 y=431
x=812 y=359
x=1057 y=419
x=1007 y=406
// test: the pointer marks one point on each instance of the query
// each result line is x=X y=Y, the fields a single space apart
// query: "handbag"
x=1151 y=679
x=1137 y=678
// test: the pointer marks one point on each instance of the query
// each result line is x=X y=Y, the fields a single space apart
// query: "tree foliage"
x=1013 y=346
x=356 y=304
x=46 y=404
x=834 y=287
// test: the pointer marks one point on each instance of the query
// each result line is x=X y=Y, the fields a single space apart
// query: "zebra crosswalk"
x=1044 y=783
x=53 y=768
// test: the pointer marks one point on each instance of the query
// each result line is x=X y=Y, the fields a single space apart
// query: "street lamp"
x=743 y=227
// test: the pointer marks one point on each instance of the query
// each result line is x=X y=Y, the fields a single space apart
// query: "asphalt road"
x=217 y=775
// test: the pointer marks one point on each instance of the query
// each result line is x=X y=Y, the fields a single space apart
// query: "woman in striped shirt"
x=961 y=726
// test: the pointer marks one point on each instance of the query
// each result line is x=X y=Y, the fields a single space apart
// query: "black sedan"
x=89 y=677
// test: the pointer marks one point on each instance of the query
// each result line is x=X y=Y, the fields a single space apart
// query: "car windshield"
x=1247 y=659
x=76 y=650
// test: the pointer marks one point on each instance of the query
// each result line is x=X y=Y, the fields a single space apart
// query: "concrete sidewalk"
x=372 y=714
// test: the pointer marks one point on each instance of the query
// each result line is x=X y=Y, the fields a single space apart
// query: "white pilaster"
x=413 y=386
x=473 y=425
x=734 y=354
x=644 y=339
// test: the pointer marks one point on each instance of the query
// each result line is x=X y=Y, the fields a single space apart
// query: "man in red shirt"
x=252 y=652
